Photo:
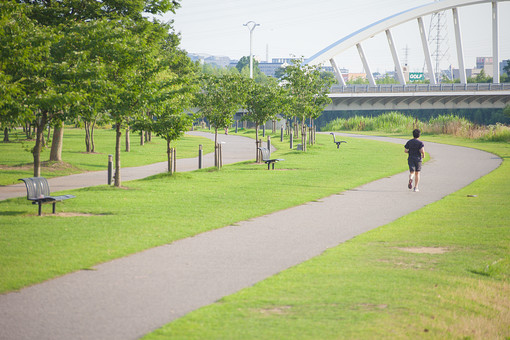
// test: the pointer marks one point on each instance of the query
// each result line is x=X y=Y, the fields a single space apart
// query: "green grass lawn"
x=164 y=208
x=17 y=161
x=374 y=286
x=441 y=272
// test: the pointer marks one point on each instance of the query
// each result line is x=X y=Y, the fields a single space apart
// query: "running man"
x=416 y=150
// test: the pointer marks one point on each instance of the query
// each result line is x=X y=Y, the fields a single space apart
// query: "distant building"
x=269 y=69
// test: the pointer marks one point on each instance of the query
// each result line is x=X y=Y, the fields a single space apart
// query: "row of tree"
x=98 y=61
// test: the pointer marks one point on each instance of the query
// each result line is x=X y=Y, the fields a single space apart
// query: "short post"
x=269 y=144
x=291 y=139
x=264 y=130
x=175 y=160
x=110 y=169
x=221 y=156
x=237 y=123
x=281 y=134
x=200 y=155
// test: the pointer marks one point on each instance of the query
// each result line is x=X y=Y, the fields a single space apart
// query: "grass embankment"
x=17 y=161
x=163 y=208
x=439 y=273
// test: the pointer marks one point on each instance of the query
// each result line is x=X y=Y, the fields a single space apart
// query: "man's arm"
x=422 y=151
x=406 y=150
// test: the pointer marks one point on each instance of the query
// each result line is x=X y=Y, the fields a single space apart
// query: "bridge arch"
x=416 y=13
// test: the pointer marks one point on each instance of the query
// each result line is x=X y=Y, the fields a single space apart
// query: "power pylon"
x=438 y=42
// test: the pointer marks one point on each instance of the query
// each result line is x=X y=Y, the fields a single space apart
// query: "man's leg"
x=411 y=176
x=416 y=180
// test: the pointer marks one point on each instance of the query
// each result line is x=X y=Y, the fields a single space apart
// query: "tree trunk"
x=216 y=147
x=92 y=145
x=257 y=155
x=128 y=144
x=303 y=133
x=117 y=154
x=36 y=151
x=6 y=135
x=56 y=143
x=169 y=156
x=87 y=137
x=141 y=138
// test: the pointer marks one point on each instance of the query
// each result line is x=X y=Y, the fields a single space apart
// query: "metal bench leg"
x=54 y=207
x=40 y=206
x=268 y=164
x=273 y=166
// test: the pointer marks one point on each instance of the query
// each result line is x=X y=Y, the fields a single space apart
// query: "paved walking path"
x=132 y=296
x=235 y=149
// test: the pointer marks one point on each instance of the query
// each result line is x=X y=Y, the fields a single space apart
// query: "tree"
x=172 y=94
x=507 y=67
x=219 y=99
x=308 y=93
x=263 y=103
x=245 y=62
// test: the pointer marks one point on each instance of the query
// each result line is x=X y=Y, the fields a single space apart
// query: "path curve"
x=134 y=295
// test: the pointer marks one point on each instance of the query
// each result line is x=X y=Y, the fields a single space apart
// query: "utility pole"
x=251 y=26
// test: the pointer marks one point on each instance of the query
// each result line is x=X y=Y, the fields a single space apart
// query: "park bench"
x=337 y=143
x=38 y=191
x=266 y=157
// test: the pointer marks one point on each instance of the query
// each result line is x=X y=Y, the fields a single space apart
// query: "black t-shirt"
x=414 y=146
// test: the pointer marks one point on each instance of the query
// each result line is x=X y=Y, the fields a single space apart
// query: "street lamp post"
x=251 y=26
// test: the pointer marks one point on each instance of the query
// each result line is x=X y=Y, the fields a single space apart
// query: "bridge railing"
x=397 y=88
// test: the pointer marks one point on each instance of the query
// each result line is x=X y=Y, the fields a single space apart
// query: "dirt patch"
x=425 y=250
x=45 y=166
x=275 y=310
x=73 y=214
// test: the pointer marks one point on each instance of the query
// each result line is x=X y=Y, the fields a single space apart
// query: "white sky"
x=304 y=27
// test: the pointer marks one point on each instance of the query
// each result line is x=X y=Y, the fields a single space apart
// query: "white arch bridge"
x=403 y=96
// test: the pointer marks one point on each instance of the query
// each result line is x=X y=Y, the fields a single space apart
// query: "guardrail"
x=390 y=88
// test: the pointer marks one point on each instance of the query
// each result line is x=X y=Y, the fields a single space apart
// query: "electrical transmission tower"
x=438 y=42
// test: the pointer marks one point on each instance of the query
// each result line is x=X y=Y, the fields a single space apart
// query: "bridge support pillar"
x=364 y=60
x=458 y=43
x=338 y=74
x=495 y=43
x=426 y=51
x=396 y=61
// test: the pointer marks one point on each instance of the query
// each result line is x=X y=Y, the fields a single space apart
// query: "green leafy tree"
x=220 y=98
x=507 y=67
x=245 y=62
x=172 y=93
x=308 y=93
x=263 y=103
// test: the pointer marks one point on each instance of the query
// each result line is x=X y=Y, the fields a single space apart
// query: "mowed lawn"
x=103 y=223
x=16 y=159
x=441 y=272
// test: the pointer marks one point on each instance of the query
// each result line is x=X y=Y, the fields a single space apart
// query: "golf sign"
x=416 y=76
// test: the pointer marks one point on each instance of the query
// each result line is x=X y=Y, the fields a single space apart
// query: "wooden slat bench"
x=38 y=191
x=266 y=158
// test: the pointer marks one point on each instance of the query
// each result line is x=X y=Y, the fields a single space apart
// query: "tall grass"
x=395 y=122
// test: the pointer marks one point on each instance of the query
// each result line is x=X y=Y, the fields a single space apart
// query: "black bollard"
x=200 y=155
x=110 y=169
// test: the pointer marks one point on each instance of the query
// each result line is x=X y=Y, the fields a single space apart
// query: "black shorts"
x=414 y=164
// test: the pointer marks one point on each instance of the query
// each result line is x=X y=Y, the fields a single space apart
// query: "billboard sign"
x=416 y=76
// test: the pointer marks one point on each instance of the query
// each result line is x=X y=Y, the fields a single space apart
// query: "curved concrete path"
x=132 y=296
x=235 y=149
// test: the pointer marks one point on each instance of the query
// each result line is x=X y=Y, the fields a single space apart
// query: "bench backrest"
x=37 y=187
x=266 y=155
